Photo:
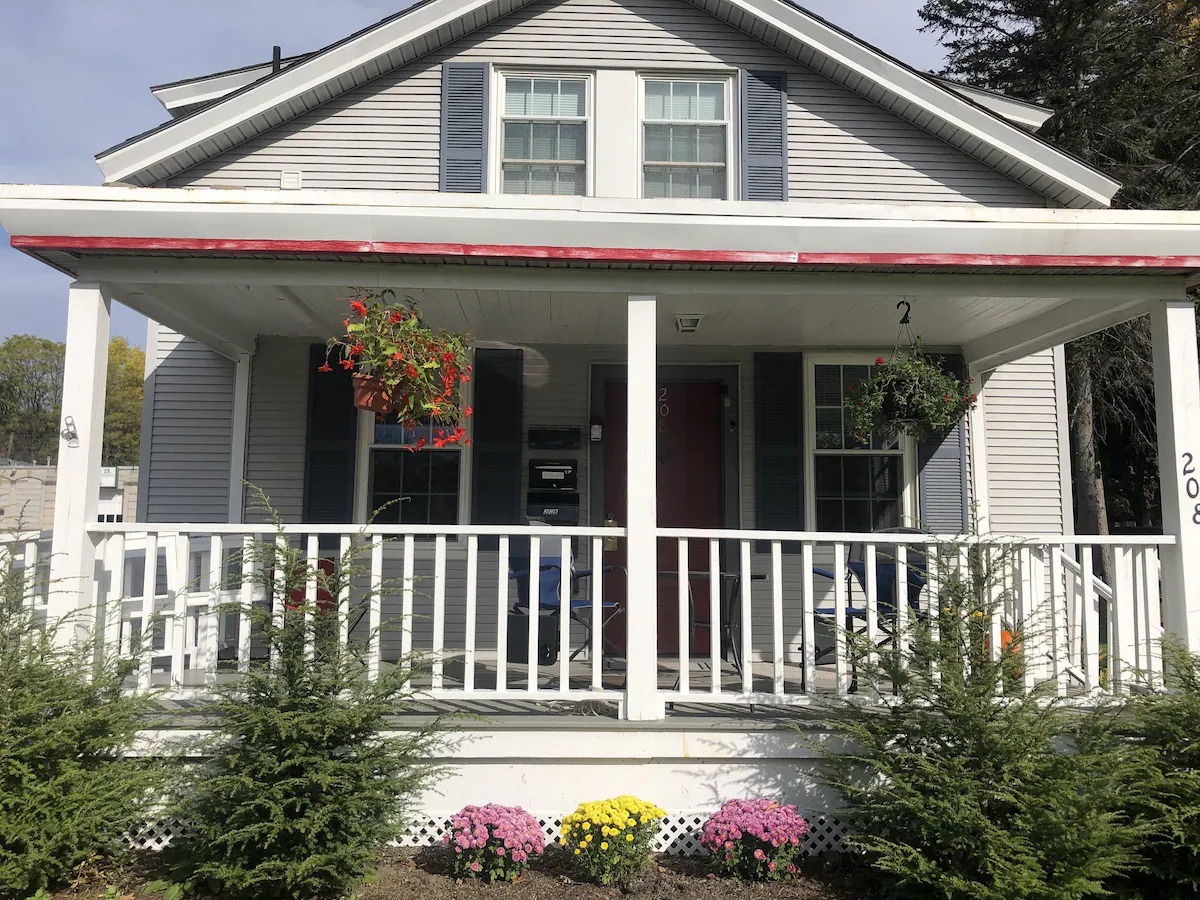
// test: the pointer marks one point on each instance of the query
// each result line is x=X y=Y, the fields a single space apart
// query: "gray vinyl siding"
x=385 y=135
x=278 y=424
x=1023 y=446
x=189 y=433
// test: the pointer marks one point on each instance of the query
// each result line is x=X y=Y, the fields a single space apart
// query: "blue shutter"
x=464 y=127
x=778 y=442
x=764 y=135
x=496 y=439
x=942 y=474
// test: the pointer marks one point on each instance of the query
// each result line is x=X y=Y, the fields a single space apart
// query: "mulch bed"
x=424 y=875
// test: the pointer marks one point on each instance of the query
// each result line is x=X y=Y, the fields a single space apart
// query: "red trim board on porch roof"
x=597 y=254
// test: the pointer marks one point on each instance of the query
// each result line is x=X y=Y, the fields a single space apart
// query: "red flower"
x=397 y=317
x=973 y=397
x=347 y=364
x=360 y=308
x=325 y=368
x=412 y=372
x=467 y=412
x=398 y=356
x=356 y=349
x=879 y=360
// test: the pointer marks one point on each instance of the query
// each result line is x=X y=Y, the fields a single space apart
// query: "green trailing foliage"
x=68 y=792
x=300 y=786
x=1167 y=723
x=961 y=784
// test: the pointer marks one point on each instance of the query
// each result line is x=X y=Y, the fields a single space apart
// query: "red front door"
x=691 y=494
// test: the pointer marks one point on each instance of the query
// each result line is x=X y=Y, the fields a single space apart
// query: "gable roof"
x=312 y=80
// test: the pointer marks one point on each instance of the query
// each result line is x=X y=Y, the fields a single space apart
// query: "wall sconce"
x=597 y=430
x=69 y=433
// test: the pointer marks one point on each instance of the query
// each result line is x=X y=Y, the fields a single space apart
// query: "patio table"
x=731 y=622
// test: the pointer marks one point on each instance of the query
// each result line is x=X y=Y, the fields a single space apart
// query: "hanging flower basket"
x=911 y=394
x=402 y=367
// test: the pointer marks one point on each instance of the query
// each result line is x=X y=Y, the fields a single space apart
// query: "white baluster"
x=747 y=619
x=902 y=608
x=344 y=574
x=1091 y=621
x=564 y=615
x=535 y=614
x=716 y=590
x=375 y=605
x=808 y=611
x=439 y=610
x=149 y=586
x=1150 y=603
x=312 y=566
x=472 y=598
x=871 y=576
x=597 y=582
x=407 y=593
x=177 y=577
x=841 y=646
x=685 y=661
x=502 y=581
x=213 y=615
x=246 y=593
x=1123 y=648
x=777 y=684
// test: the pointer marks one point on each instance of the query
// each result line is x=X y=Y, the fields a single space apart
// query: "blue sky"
x=74 y=79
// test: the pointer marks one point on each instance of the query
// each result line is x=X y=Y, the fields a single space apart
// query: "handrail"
x=1102 y=587
x=260 y=528
x=986 y=540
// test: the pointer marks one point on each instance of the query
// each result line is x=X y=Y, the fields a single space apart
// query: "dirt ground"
x=424 y=875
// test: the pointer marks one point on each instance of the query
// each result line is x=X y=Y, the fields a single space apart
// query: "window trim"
x=365 y=443
x=732 y=138
x=907 y=451
x=496 y=126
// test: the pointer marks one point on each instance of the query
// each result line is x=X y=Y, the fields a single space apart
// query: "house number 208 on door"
x=1191 y=485
x=664 y=409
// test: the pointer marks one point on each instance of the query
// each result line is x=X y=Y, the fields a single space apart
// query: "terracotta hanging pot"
x=371 y=392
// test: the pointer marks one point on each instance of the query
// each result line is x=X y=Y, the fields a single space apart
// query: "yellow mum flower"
x=629 y=837
x=588 y=839
x=587 y=826
x=604 y=845
x=630 y=822
x=576 y=852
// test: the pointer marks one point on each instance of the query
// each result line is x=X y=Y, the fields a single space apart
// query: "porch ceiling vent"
x=688 y=323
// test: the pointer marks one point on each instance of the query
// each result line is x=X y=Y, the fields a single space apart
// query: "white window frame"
x=907 y=449
x=365 y=443
x=732 y=161
x=496 y=127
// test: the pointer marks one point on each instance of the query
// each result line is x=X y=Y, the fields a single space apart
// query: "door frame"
x=726 y=374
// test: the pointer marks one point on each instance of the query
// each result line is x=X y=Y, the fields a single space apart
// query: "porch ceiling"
x=803 y=316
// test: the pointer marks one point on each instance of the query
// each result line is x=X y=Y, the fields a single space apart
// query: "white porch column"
x=77 y=494
x=1177 y=401
x=641 y=605
x=237 y=444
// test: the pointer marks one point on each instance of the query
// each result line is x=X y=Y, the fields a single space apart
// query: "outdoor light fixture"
x=69 y=432
x=688 y=323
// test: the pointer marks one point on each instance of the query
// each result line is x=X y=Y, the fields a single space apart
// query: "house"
x=678 y=229
x=27 y=495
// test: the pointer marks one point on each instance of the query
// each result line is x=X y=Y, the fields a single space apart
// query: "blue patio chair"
x=886 y=563
x=549 y=604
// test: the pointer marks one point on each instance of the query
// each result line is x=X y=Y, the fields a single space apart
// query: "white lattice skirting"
x=679 y=835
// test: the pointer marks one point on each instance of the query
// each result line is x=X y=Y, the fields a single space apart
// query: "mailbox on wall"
x=553 y=475
x=553 y=507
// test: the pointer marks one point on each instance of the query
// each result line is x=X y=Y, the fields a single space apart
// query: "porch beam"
x=230 y=343
x=85 y=371
x=642 y=701
x=1177 y=404
x=618 y=281
x=1063 y=323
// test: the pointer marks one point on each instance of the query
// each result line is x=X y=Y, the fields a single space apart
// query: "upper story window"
x=686 y=134
x=544 y=134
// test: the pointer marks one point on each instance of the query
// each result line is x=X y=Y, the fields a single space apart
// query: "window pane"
x=887 y=515
x=443 y=471
x=572 y=141
x=516 y=96
x=387 y=468
x=518 y=140
x=886 y=481
x=545 y=141
x=516 y=179
x=657 y=97
x=443 y=509
x=386 y=509
x=683 y=101
x=829 y=429
x=657 y=183
x=857 y=515
x=416 y=474
x=856 y=476
x=414 y=510
x=829 y=516
x=684 y=182
x=827 y=382
x=711 y=101
x=710 y=184
x=571 y=99
x=710 y=143
x=536 y=179
x=828 y=473
x=658 y=143
x=541 y=99
x=683 y=144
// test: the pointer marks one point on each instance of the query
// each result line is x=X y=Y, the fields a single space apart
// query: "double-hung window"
x=685 y=138
x=410 y=480
x=854 y=486
x=544 y=135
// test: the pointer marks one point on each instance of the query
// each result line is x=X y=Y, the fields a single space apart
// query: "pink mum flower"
x=759 y=855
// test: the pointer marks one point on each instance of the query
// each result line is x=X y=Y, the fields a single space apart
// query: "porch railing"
x=743 y=617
